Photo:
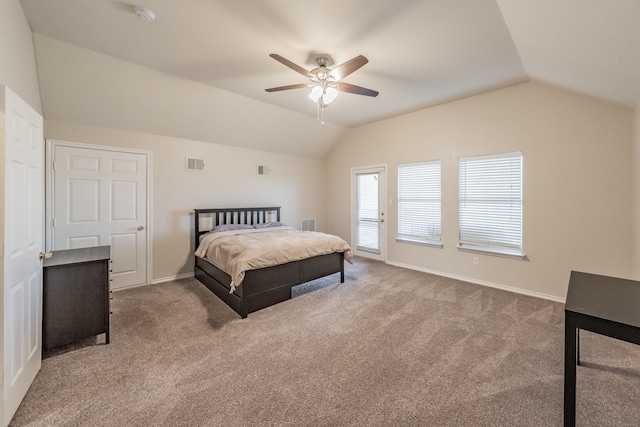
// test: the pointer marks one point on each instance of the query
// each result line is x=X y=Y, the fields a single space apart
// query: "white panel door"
x=24 y=240
x=100 y=198
x=368 y=225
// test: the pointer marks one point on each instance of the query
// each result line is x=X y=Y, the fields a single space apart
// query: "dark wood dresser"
x=76 y=296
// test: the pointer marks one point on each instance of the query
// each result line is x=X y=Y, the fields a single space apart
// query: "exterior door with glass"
x=368 y=225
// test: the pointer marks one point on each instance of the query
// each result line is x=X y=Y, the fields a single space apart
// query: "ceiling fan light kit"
x=325 y=82
x=316 y=93
x=330 y=94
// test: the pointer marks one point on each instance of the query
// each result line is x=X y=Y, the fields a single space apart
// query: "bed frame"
x=266 y=286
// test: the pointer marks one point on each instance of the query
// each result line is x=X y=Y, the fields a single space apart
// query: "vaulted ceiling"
x=421 y=53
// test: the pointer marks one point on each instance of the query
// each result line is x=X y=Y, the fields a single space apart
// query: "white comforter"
x=235 y=252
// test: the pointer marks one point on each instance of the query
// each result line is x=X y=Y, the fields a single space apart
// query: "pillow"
x=230 y=227
x=270 y=224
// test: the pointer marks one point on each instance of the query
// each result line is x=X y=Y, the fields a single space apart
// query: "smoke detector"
x=144 y=14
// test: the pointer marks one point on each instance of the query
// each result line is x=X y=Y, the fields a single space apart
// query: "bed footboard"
x=213 y=279
x=267 y=286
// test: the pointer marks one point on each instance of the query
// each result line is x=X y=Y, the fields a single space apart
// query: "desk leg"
x=570 y=367
x=578 y=346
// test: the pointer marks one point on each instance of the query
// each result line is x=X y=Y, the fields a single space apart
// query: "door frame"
x=382 y=203
x=50 y=150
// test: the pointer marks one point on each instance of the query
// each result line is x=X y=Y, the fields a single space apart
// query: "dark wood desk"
x=600 y=304
x=75 y=302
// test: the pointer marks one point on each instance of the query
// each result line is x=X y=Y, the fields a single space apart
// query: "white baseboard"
x=156 y=281
x=411 y=267
x=124 y=288
x=172 y=278
x=481 y=282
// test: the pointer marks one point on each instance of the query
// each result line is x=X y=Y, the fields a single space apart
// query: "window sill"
x=486 y=250
x=429 y=243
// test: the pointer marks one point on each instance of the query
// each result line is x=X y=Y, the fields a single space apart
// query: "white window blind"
x=368 y=226
x=419 y=202
x=491 y=203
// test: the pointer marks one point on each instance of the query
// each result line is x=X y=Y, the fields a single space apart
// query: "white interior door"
x=100 y=198
x=368 y=225
x=24 y=240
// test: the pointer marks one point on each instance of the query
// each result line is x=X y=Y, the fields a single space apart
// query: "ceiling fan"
x=325 y=82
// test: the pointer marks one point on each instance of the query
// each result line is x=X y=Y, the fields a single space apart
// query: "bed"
x=260 y=287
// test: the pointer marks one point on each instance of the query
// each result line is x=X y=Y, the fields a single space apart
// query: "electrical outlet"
x=476 y=260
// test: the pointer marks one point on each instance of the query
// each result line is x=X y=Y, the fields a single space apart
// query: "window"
x=419 y=202
x=491 y=203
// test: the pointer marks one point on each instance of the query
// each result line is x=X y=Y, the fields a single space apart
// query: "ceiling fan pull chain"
x=319 y=113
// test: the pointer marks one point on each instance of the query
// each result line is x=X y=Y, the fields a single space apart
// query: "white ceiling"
x=421 y=52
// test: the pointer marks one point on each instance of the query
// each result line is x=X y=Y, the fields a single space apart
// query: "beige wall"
x=17 y=60
x=577 y=182
x=636 y=193
x=229 y=180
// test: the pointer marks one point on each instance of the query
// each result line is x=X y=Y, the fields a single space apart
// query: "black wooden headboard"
x=220 y=216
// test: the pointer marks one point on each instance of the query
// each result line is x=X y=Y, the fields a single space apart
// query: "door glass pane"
x=368 y=223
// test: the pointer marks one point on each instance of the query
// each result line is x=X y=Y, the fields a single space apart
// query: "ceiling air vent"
x=263 y=170
x=194 y=164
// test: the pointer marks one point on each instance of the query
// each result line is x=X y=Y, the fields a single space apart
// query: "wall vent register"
x=308 y=224
x=194 y=164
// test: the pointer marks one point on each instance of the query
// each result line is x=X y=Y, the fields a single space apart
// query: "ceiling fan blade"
x=290 y=64
x=343 y=70
x=349 y=88
x=278 y=89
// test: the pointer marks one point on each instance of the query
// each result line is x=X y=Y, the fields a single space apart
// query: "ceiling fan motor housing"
x=321 y=59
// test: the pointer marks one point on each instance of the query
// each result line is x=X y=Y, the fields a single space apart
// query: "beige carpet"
x=389 y=347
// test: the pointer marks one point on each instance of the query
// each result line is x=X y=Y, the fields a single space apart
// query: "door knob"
x=141 y=227
x=42 y=255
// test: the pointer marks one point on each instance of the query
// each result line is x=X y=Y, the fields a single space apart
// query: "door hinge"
x=53 y=222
